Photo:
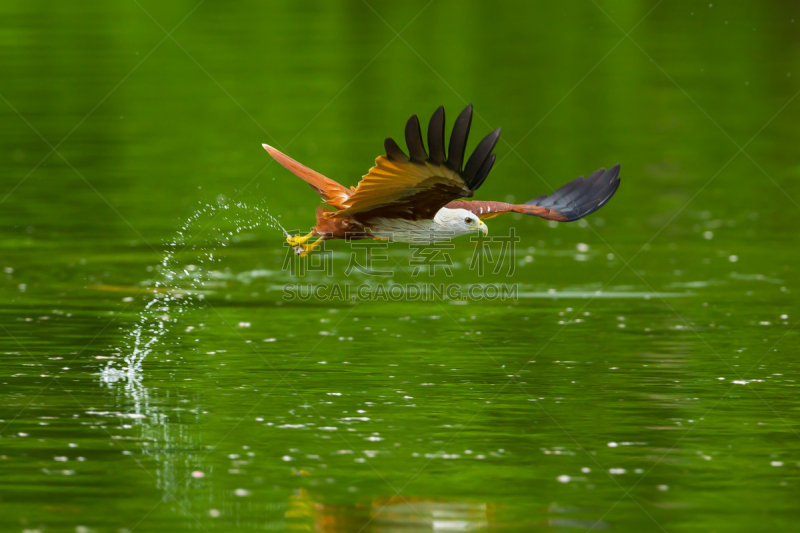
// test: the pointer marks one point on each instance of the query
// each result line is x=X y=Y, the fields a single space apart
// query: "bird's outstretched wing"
x=332 y=193
x=575 y=200
x=416 y=186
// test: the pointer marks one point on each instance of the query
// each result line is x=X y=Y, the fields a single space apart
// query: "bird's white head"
x=459 y=222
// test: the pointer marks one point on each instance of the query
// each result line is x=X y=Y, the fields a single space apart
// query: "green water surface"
x=641 y=377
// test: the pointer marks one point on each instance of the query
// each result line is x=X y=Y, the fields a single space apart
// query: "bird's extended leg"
x=304 y=249
x=295 y=240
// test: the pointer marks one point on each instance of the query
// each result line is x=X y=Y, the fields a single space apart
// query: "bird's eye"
x=468 y=220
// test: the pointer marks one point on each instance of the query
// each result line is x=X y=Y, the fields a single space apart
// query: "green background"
x=130 y=156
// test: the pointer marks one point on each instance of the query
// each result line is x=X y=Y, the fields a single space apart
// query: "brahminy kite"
x=415 y=198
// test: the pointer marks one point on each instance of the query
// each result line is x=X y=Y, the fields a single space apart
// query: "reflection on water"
x=184 y=475
x=387 y=515
x=667 y=400
x=173 y=446
x=400 y=514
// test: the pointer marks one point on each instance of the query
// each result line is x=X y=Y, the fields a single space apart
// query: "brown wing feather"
x=417 y=187
x=404 y=189
x=334 y=194
x=486 y=209
x=573 y=201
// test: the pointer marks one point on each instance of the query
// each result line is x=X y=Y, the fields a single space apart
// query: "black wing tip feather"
x=581 y=197
x=436 y=137
x=393 y=151
x=458 y=139
x=416 y=148
x=479 y=163
x=472 y=170
x=486 y=167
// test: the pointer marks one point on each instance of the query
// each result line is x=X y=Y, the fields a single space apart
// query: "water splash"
x=179 y=288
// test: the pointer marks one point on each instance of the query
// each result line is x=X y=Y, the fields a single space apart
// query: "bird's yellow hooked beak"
x=482 y=228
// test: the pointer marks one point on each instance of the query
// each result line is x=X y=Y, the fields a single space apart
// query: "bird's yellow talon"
x=304 y=249
x=296 y=240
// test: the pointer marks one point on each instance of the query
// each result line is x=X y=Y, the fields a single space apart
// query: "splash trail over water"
x=180 y=287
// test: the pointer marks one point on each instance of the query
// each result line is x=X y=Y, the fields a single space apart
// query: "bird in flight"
x=417 y=197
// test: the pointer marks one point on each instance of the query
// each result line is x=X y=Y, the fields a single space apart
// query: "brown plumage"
x=572 y=201
x=405 y=196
